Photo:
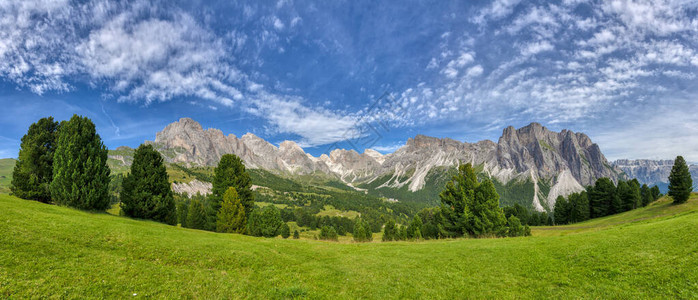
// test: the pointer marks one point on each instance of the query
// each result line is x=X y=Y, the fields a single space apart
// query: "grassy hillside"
x=6 y=167
x=54 y=251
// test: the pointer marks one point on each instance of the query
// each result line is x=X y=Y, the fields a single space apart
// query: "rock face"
x=564 y=160
x=650 y=171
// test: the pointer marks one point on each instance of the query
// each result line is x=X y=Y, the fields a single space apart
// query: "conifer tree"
x=646 y=195
x=680 y=182
x=486 y=217
x=285 y=231
x=655 y=193
x=390 y=231
x=561 y=210
x=231 y=215
x=601 y=197
x=414 y=231
x=515 y=228
x=231 y=172
x=456 y=199
x=80 y=171
x=146 y=192
x=296 y=234
x=33 y=171
x=196 y=217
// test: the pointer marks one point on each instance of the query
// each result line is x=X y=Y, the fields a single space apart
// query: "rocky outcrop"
x=192 y=188
x=565 y=160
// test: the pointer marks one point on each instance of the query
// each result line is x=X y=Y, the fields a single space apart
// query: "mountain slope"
x=105 y=256
x=554 y=163
x=7 y=165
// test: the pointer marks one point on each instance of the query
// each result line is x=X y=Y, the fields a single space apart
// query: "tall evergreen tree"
x=285 y=231
x=414 y=231
x=196 y=217
x=146 y=192
x=680 y=182
x=231 y=172
x=626 y=197
x=515 y=229
x=560 y=211
x=456 y=198
x=655 y=193
x=80 y=171
x=486 y=217
x=390 y=231
x=601 y=197
x=645 y=194
x=33 y=171
x=265 y=222
x=231 y=215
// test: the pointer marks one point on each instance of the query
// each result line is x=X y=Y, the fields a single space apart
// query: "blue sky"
x=623 y=72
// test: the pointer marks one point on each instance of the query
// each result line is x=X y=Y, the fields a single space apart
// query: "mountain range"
x=541 y=162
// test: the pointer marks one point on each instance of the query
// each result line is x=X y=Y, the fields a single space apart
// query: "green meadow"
x=58 y=252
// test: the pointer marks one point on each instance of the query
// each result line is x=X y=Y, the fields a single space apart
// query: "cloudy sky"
x=357 y=74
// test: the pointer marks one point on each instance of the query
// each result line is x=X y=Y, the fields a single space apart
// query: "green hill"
x=53 y=251
x=6 y=167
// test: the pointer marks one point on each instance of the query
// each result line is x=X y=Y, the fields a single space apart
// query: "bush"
x=285 y=231
x=328 y=233
x=265 y=222
x=296 y=235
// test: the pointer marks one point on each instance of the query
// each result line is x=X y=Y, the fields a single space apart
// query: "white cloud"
x=474 y=71
x=278 y=25
x=315 y=126
x=536 y=47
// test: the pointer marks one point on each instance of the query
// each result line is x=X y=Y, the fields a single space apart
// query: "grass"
x=57 y=252
x=330 y=211
x=6 y=167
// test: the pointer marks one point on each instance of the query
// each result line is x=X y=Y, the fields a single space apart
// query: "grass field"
x=59 y=252
x=6 y=167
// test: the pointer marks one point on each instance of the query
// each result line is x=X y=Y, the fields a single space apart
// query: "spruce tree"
x=146 y=192
x=625 y=195
x=231 y=215
x=361 y=233
x=414 y=231
x=515 y=228
x=33 y=171
x=80 y=171
x=285 y=231
x=601 y=197
x=486 y=217
x=296 y=234
x=196 y=217
x=456 y=198
x=561 y=210
x=655 y=193
x=231 y=172
x=390 y=231
x=266 y=222
x=680 y=182
x=646 y=195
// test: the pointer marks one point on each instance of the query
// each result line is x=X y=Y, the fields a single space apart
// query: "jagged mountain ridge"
x=651 y=172
x=564 y=160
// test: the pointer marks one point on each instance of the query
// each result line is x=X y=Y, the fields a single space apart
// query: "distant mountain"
x=541 y=163
x=652 y=172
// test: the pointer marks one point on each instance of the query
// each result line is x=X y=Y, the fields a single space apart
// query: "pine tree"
x=296 y=234
x=456 y=198
x=231 y=215
x=80 y=171
x=655 y=193
x=601 y=197
x=561 y=210
x=414 y=231
x=625 y=196
x=645 y=194
x=486 y=217
x=680 y=182
x=361 y=233
x=196 y=217
x=265 y=222
x=390 y=231
x=33 y=171
x=328 y=233
x=285 y=231
x=231 y=172
x=515 y=228
x=146 y=192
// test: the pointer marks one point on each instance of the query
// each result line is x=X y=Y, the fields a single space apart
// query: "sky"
x=357 y=74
